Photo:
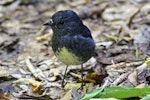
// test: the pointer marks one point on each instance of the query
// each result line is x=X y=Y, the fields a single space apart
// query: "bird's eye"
x=61 y=22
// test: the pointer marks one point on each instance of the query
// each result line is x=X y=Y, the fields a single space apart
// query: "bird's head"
x=65 y=20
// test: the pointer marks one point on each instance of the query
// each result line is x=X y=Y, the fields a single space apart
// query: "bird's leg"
x=82 y=76
x=62 y=84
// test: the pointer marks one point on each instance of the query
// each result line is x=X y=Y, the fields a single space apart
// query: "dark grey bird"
x=72 y=42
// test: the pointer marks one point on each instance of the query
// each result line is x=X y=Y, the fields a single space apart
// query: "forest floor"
x=29 y=69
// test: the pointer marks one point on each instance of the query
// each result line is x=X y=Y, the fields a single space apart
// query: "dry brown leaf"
x=29 y=81
x=133 y=78
x=72 y=94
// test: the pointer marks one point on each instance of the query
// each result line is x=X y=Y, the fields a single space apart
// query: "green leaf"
x=117 y=92
x=91 y=94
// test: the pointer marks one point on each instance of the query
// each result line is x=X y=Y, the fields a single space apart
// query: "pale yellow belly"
x=67 y=57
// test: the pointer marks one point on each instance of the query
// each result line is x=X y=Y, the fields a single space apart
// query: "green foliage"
x=117 y=92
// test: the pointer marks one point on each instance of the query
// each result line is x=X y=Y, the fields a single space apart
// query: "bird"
x=72 y=42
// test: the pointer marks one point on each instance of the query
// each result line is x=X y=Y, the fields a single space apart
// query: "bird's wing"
x=78 y=42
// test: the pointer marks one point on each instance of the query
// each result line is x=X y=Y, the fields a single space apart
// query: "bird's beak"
x=49 y=23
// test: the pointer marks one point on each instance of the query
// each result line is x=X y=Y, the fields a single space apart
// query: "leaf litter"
x=120 y=29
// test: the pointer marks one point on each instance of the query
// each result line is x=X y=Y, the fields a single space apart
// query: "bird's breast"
x=67 y=57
